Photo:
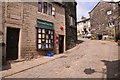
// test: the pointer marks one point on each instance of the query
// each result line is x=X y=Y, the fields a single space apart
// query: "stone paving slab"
x=92 y=55
x=25 y=65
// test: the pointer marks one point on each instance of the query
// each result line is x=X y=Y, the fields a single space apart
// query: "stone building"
x=83 y=27
x=71 y=24
x=118 y=26
x=104 y=19
x=31 y=29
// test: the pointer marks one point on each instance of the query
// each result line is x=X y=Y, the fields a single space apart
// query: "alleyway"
x=88 y=60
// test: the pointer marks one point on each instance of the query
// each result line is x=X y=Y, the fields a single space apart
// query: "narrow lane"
x=90 y=54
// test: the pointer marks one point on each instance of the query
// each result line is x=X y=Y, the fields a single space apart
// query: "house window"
x=45 y=8
x=109 y=12
x=50 y=9
x=40 y=6
x=71 y=21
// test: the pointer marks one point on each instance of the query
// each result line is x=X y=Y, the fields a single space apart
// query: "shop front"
x=45 y=36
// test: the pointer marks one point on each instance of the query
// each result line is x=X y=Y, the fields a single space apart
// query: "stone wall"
x=71 y=31
x=100 y=20
x=24 y=16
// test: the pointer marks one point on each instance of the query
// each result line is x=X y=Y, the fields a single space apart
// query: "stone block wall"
x=99 y=18
x=24 y=16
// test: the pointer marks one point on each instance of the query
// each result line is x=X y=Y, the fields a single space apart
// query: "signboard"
x=42 y=23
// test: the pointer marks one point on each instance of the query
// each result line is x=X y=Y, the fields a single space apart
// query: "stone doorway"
x=12 y=43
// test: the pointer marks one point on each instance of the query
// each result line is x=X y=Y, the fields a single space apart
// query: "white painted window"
x=109 y=12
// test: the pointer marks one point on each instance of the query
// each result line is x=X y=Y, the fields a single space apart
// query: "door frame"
x=19 y=42
x=63 y=36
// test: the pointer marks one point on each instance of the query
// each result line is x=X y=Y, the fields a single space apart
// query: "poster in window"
x=43 y=35
x=46 y=45
x=52 y=41
x=39 y=35
x=43 y=30
x=39 y=40
x=39 y=46
x=43 y=46
x=46 y=36
x=43 y=40
x=49 y=41
x=46 y=41
x=51 y=36
x=49 y=45
x=39 y=30
x=49 y=32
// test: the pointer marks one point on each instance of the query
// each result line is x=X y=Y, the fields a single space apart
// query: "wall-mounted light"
x=61 y=27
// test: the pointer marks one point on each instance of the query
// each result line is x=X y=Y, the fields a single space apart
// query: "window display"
x=45 y=39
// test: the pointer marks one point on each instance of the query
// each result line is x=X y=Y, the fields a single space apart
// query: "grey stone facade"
x=104 y=18
x=71 y=24
x=23 y=16
x=118 y=26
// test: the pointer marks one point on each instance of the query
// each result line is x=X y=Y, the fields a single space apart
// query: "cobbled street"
x=88 y=60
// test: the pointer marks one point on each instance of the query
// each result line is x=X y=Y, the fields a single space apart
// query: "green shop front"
x=45 y=36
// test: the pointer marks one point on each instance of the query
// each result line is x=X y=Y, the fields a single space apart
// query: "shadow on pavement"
x=80 y=41
x=89 y=71
x=6 y=67
x=113 y=69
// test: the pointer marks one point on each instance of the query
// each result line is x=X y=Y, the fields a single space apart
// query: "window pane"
x=46 y=36
x=51 y=36
x=39 y=35
x=39 y=30
x=40 y=6
x=51 y=32
x=43 y=46
x=43 y=35
x=46 y=41
x=49 y=45
x=39 y=40
x=39 y=46
x=49 y=41
x=45 y=7
x=46 y=45
x=43 y=40
x=43 y=30
x=50 y=9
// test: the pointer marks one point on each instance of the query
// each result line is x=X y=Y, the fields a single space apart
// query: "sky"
x=84 y=7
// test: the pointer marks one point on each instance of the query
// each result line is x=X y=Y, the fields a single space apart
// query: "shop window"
x=40 y=6
x=45 y=7
x=45 y=39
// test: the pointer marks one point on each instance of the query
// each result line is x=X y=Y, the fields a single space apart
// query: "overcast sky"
x=84 y=6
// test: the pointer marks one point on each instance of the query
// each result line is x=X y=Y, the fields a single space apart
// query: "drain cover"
x=89 y=71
